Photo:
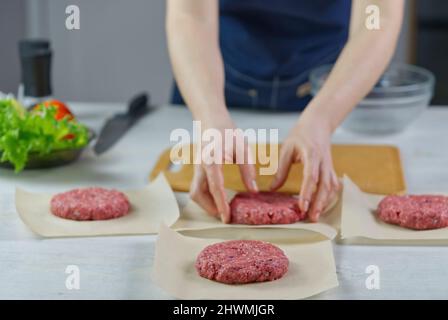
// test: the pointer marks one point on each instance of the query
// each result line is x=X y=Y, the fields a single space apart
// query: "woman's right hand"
x=207 y=187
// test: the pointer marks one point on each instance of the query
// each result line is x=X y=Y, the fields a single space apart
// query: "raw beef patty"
x=419 y=212
x=265 y=208
x=242 y=261
x=90 y=204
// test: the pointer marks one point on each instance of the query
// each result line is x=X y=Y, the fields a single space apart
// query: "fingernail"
x=224 y=220
x=274 y=182
x=254 y=185
x=306 y=205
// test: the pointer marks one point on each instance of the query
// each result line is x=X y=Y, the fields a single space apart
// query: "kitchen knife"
x=117 y=126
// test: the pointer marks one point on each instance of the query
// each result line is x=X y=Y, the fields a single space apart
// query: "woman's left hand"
x=310 y=143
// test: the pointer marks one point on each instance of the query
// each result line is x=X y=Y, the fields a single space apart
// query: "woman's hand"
x=207 y=187
x=310 y=143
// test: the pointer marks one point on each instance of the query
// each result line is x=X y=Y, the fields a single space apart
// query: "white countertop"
x=119 y=267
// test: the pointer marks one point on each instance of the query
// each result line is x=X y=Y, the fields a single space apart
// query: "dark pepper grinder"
x=35 y=59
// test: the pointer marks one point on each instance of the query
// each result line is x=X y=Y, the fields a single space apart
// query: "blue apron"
x=269 y=48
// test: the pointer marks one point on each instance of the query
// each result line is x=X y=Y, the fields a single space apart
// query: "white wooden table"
x=119 y=267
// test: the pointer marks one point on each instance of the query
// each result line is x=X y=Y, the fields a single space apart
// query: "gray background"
x=119 y=50
x=12 y=28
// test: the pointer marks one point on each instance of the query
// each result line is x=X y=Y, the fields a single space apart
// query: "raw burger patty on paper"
x=90 y=204
x=265 y=208
x=419 y=212
x=242 y=261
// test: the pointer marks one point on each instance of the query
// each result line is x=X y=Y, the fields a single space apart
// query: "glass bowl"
x=400 y=96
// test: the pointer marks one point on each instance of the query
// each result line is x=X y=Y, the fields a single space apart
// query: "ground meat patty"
x=90 y=204
x=419 y=212
x=265 y=208
x=242 y=261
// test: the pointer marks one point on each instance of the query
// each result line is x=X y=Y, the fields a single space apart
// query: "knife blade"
x=119 y=124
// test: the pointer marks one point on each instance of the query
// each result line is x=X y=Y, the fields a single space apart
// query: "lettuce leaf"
x=22 y=133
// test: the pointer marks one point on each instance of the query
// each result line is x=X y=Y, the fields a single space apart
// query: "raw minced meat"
x=90 y=204
x=265 y=208
x=242 y=261
x=420 y=212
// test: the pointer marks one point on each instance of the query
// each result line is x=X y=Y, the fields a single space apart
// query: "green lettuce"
x=22 y=133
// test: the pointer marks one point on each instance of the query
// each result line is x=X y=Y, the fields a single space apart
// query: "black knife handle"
x=138 y=105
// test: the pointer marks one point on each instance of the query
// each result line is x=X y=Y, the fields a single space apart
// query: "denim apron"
x=269 y=48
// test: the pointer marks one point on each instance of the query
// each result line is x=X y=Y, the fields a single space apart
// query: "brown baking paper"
x=360 y=223
x=193 y=217
x=311 y=271
x=150 y=206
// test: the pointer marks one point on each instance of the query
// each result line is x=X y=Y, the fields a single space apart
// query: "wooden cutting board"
x=374 y=168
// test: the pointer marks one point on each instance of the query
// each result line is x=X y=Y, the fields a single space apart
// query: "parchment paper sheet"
x=311 y=271
x=360 y=224
x=192 y=217
x=150 y=207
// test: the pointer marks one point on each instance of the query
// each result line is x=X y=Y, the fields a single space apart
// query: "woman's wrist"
x=216 y=118
x=328 y=109
x=211 y=115
x=312 y=117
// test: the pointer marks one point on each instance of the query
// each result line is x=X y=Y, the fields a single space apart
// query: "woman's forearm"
x=192 y=30
x=358 y=68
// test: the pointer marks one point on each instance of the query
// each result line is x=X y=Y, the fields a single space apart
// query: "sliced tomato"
x=69 y=136
x=62 y=110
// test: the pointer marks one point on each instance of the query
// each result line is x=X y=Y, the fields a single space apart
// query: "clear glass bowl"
x=400 y=96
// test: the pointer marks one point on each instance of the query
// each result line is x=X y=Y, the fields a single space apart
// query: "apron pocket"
x=239 y=97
